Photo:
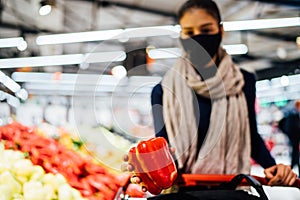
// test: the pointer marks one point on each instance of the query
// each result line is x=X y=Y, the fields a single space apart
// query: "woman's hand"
x=280 y=175
x=128 y=167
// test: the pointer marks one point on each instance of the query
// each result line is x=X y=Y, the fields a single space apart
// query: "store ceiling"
x=272 y=52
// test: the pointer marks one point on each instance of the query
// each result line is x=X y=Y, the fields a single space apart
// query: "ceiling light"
x=167 y=53
x=2 y=76
x=45 y=10
x=78 y=37
x=42 y=78
x=13 y=101
x=22 y=46
x=41 y=61
x=9 y=83
x=261 y=24
x=22 y=94
x=122 y=35
x=12 y=86
x=113 y=56
x=171 y=30
x=70 y=59
x=2 y=95
x=281 y=53
x=46 y=7
x=163 y=53
x=11 y=42
x=43 y=83
x=284 y=80
x=119 y=71
x=150 y=31
x=236 y=49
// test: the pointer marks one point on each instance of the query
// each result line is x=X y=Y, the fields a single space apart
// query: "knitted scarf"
x=226 y=148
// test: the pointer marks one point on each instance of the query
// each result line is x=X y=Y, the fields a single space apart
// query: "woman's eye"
x=189 y=33
x=206 y=31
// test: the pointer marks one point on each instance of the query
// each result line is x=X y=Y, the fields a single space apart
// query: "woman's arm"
x=259 y=151
x=277 y=174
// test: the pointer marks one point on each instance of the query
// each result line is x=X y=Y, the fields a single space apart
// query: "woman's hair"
x=208 y=5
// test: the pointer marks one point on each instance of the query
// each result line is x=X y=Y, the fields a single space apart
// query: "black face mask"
x=201 y=48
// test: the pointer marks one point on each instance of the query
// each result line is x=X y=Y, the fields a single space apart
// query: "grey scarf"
x=226 y=148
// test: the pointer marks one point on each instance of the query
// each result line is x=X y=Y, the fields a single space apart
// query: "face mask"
x=201 y=48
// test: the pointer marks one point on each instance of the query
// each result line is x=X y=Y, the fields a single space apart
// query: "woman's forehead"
x=197 y=17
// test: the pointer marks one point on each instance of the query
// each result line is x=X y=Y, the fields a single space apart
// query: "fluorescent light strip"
x=76 y=89
x=10 y=99
x=11 y=42
x=66 y=78
x=261 y=24
x=13 y=86
x=113 y=56
x=168 y=53
x=150 y=31
x=236 y=49
x=22 y=94
x=41 y=61
x=63 y=59
x=107 y=35
x=39 y=77
x=2 y=95
x=13 y=101
x=78 y=37
x=87 y=89
x=159 y=31
x=78 y=83
x=164 y=53
x=9 y=83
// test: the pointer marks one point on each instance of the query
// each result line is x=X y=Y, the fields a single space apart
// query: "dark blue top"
x=259 y=152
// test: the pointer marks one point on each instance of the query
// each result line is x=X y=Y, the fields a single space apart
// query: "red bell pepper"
x=147 y=182
x=154 y=164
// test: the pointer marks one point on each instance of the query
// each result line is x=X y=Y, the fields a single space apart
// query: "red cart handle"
x=216 y=179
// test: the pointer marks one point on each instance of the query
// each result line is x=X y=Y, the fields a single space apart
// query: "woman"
x=204 y=105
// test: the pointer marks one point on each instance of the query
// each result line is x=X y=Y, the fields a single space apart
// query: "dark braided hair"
x=208 y=5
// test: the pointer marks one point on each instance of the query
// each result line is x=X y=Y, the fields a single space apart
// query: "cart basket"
x=213 y=187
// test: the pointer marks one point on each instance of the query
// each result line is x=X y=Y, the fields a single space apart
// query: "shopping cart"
x=206 y=185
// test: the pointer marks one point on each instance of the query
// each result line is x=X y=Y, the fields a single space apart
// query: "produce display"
x=91 y=179
x=68 y=139
x=21 y=180
x=103 y=146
